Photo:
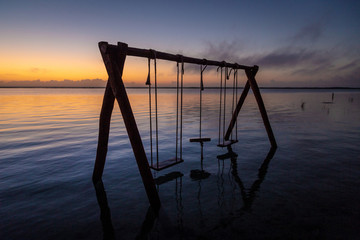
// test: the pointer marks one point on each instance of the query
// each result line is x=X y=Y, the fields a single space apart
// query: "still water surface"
x=308 y=190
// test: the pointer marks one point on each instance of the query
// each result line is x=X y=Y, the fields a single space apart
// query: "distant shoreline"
x=335 y=88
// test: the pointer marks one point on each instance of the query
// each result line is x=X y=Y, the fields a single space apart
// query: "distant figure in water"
x=303 y=106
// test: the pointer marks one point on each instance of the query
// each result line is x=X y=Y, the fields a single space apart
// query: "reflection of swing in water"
x=198 y=174
x=249 y=196
x=177 y=176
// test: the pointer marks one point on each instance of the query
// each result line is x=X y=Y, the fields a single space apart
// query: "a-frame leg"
x=254 y=87
x=251 y=82
x=104 y=128
x=114 y=59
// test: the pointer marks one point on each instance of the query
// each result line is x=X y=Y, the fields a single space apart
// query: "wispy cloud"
x=38 y=70
x=295 y=63
x=310 y=32
x=288 y=57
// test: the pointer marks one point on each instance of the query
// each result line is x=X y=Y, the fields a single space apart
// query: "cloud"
x=225 y=50
x=311 y=32
x=297 y=64
x=38 y=70
x=288 y=57
x=222 y=51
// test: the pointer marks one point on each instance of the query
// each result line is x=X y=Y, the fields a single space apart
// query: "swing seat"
x=165 y=164
x=227 y=143
x=200 y=140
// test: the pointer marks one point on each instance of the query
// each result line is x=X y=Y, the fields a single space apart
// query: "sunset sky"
x=295 y=43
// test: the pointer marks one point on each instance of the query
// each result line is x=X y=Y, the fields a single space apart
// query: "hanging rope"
x=179 y=85
x=156 y=113
x=181 y=107
x=233 y=99
x=202 y=69
x=221 y=73
x=236 y=100
x=177 y=110
x=226 y=78
x=148 y=82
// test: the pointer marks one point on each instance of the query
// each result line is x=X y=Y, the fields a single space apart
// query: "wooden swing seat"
x=165 y=164
x=200 y=140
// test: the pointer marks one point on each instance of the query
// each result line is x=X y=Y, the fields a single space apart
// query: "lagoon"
x=309 y=189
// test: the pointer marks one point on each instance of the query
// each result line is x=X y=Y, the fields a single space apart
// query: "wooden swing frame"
x=114 y=59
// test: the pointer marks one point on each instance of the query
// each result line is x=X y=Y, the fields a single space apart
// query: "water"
x=308 y=190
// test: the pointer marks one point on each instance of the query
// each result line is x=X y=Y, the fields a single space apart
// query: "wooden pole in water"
x=104 y=128
x=250 y=73
x=114 y=62
x=251 y=82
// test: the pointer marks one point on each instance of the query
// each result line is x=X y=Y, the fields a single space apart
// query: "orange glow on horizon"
x=40 y=67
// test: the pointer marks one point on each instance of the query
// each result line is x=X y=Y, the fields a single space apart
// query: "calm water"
x=308 y=190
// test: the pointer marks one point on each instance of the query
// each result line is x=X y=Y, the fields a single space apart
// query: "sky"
x=304 y=43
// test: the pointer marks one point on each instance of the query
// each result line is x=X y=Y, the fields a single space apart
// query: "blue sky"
x=295 y=43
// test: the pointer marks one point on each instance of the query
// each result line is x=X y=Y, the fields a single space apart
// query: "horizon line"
x=356 y=88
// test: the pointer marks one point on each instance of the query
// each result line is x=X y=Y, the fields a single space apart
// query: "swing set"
x=114 y=59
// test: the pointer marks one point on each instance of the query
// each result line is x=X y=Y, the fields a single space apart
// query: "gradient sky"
x=296 y=43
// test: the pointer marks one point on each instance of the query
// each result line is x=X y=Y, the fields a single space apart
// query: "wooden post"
x=251 y=82
x=114 y=60
x=104 y=128
x=250 y=73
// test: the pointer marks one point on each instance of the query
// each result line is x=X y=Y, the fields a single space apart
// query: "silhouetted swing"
x=200 y=139
x=114 y=57
x=222 y=107
x=178 y=149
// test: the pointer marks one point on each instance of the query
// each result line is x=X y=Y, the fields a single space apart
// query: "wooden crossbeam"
x=149 y=53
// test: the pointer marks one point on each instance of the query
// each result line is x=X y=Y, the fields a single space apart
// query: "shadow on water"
x=157 y=223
